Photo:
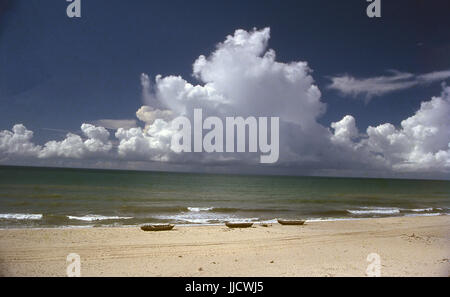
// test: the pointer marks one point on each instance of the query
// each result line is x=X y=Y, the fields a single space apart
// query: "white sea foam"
x=204 y=218
x=20 y=216
x=374 y=210
x=91 y=218
x=331 y=219
x=424 y=215
x=421 y=209
x=198 y=209
x=76 y=227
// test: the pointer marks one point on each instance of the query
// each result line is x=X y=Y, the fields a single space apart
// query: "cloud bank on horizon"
x=242 y=78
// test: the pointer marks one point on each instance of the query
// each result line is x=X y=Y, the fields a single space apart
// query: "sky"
x=356 y=96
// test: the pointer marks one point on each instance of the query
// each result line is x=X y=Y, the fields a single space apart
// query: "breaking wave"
x=20 y=216
x=92 y=218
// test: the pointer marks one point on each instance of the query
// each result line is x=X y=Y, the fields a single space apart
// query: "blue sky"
x=57 y=73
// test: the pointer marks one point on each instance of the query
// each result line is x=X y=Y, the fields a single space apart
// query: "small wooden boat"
x=166 y=227
x=291 y=222
x=238 y=225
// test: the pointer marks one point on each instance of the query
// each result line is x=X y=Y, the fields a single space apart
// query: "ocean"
x=54 y=197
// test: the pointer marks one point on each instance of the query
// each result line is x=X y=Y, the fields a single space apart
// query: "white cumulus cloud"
x=97 y=143
x=152 y=144
x=17 y=142
x=421 y=143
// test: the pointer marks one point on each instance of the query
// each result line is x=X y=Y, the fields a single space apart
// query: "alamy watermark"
x=213 y=141
x=74 y=9
x=74 y=266
x=374 y=9
x=374 y=267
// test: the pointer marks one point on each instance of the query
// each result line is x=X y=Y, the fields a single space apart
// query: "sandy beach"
x=408 y=246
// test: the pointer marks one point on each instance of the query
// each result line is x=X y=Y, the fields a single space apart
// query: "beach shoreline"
x=407 y=246
x=194 y=225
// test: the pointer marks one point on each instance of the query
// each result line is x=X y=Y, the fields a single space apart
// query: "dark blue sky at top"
x=57 y=72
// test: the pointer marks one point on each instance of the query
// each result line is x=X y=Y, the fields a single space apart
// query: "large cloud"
x=242 y=78
x=421 y=144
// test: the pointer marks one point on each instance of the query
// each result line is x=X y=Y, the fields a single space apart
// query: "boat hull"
x=157 y=227
x=239 y=225
x=291 y=222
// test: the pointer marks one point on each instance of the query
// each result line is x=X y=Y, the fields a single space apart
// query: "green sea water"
x=50 y=197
